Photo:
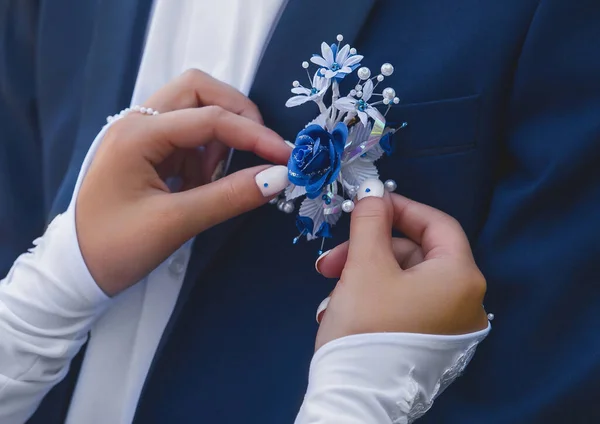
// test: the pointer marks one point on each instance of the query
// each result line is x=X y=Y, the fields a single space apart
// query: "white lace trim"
x=419 y=405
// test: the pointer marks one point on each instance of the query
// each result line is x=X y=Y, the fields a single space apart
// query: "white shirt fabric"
x=49 y=301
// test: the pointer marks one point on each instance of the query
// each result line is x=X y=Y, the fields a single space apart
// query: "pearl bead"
x=358 y=87
x=340 y=37
x=274 y=200
x=390 y=185
x=305 y=65
x=296 y=83
x=155 y=113
x=136 y=108
x=389 y=93
x=364 y=73
x=347 y=206
x=490 y=317
x=280 y=204
x=387 y=69
x=396 y=100
x=142 y=110
x=288 y=207
x=359 y=94
x=352 y=50
x=351 y=191
x=380 y=78
x=150 y=111
x=386 y=101
x=353 y=92
x=109 y=119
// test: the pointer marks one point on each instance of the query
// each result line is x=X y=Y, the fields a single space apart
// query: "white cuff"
x=384 y=377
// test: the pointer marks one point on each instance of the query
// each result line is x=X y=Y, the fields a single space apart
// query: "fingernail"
x=319 y=258
x=370 y=188
x=272 y=180
x=321 y=309
x=218 y=172
x=289 y=143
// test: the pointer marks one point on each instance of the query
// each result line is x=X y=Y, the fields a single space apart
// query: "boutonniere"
x=337 y=151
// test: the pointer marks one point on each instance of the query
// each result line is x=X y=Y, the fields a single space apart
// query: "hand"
x=426 y=283
x=128 y=219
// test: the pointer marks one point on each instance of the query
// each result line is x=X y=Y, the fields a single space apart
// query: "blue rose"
x=316 y=160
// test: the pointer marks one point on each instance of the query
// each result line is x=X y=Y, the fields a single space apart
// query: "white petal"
x=330 y=74
x=320 y=120
x=363 y=117
x=313 y=208
x=345 y=70
x=375 y=114
x=346 y=103
x=352 y=60
x=367 y=90
x=359 y=170
x=342 y=54
x=301 y=90
x=296 y=101
x=327 y=53
x=318 y=60
x=293 y=191
x=322 y=83
x=374 y=153
x=358 y=134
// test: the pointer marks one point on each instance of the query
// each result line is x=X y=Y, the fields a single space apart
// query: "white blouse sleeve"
x=383 y=378
x=48 y=302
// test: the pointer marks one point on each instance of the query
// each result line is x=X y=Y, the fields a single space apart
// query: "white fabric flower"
x=336 y=63
x=319 y=87
x=360 y=106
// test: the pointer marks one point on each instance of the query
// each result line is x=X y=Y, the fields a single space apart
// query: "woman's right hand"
x=129 y=221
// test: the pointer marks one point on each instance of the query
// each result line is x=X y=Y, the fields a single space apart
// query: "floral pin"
x=336 y=152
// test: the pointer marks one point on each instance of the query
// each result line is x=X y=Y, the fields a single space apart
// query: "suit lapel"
x=302 y=27
x=111 y=71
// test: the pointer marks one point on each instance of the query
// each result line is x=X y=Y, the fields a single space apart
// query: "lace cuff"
x=383 y=378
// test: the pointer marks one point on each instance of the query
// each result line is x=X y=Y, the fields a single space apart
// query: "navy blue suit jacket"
x=503 y=105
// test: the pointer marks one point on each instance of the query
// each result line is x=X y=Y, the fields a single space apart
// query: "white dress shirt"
x=49 y=302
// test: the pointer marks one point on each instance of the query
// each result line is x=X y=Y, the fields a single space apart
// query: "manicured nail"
x=370 y=188
x=319 y=258
x=218 y=172
x=289 y=143
x=321 y=309
x=272 y=180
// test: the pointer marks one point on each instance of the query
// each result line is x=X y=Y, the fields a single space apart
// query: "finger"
x=213 y=162
x=331 y=263
x=208 y=205
x=371 y=224
x=438 y=233
x=190 y=128
x=195 y=88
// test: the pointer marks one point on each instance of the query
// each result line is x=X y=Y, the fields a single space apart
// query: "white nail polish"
x=370 y=188
x=319 y=259
x=289 y=143
x=272 y=180
x=324 y=304
x=218 y=172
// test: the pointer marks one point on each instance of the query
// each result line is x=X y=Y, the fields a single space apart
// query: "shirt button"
x=177 y=263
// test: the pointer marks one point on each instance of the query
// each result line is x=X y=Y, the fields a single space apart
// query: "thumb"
x=371 y=225
x=208 y=205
